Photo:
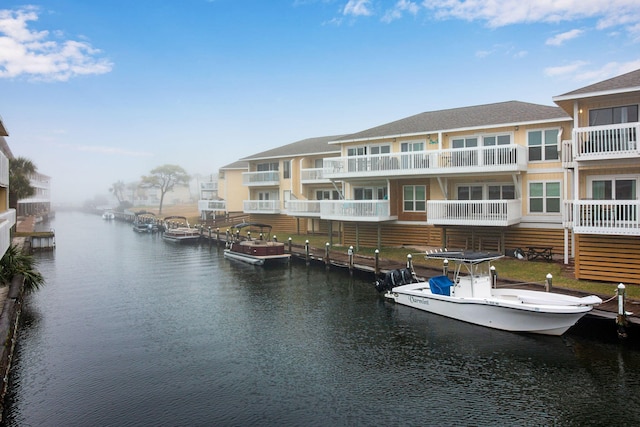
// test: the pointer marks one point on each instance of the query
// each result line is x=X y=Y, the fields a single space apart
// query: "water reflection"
x=130 y=330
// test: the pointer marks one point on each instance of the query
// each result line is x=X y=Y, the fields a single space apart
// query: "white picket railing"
x=261 y=206
x=474 y=212
x=212 y=205
x=495 y=158
x=303 y=207
x=261 y=178
x=615 y=217
x=355 y=210
x=604 y=142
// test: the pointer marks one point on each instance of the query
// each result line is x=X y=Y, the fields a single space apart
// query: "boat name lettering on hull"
x=418 y=300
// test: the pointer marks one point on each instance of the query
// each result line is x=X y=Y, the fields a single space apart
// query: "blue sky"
x=105 y=90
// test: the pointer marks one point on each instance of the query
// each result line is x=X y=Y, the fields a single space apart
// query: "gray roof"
x=624 y=83
x=236 y=165
x=480 y=116
x=318 y=145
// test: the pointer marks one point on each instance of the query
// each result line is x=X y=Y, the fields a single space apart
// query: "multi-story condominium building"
x=288 y=184
x=7 y=216
x=489 y=177
x=39 y=203
x=230 y=193
x=462 y=178
x=601 y=161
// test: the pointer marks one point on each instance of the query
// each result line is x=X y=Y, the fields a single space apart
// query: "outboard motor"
x=394 y=278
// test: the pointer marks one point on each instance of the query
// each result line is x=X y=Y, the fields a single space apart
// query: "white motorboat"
x=178 y=230
x=471 y=297
x=108 y=215
x=259 y=250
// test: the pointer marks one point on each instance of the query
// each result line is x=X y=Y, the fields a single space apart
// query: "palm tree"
x=118 y=190
x=15 y=262
x=20 y=171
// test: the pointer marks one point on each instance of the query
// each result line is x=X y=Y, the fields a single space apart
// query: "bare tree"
x=165 y=178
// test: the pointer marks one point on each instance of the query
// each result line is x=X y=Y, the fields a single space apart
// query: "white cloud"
x=581 y=72
x=399 y=8
x=497 y=13
x=357 y=8
x=559 y=39
x=35 y=54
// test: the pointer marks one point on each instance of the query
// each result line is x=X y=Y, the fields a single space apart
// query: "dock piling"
x=548 y=283
x=621 y=319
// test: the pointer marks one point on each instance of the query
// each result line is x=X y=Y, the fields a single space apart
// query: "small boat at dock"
x=178 y=230
x=260 y=250
x=472 y=297
x=145 y=222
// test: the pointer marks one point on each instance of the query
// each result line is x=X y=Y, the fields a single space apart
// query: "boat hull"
x=496 y=313
x=256 y=259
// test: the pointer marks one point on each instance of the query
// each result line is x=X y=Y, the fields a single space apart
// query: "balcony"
x=261 y=206
x=7 y=220
x=501 y=158
x=356 y=210
x=605 y=142
x=496 y=213
x=4 y=170
x=212 y=205
x=307 y=208
x=611 y=217
x=313 y=176
x=266 y=178
x=208 y=186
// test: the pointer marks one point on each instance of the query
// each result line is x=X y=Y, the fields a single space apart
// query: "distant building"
x=7 y=216
x=39 y=203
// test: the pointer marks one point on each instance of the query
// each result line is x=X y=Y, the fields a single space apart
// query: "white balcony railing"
x=356 y=210
x=208 y=186
x=499 y=213
x=501 y=158
x=606 y=142
x=7 y=220
x=261 y=178
x=313 y=175
x=261 y=206
x=212 y=205
x=613 y=217
x=310 y=208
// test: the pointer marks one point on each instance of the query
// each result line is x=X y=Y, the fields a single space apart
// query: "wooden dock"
x=367 y=265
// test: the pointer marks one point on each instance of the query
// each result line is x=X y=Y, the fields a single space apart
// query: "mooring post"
x=209 y=228
x=289 y=244
x=218 y=236
x=350 y=253
x=306 y=250
x=410 y=262
x=327 y=261
x=275 y=238
x=494 y=276
x=621 y=319
x=548 y=283
x=377 y=267
x=445 y=267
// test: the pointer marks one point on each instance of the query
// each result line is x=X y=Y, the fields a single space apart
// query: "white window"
x=543 y=144
x=544 y=197
x=415 y=198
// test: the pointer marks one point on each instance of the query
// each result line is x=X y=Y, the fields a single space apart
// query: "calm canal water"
x=134 y=331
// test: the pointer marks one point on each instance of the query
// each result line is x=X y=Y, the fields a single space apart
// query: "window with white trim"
x=370 y=193
x=544 y=197
x=543 y=144
x=415 y=198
